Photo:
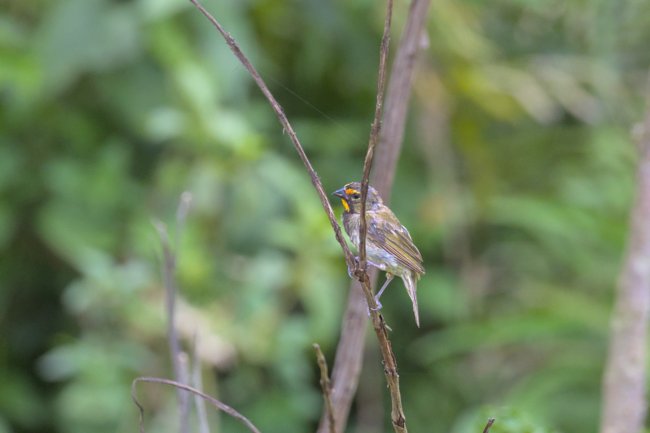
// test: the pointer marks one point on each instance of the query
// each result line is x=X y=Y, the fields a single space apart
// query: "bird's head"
x=350 y=196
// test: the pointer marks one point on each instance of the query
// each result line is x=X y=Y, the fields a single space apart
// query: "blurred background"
x=515 y=181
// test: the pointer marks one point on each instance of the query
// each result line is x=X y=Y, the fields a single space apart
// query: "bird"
x=389 y=246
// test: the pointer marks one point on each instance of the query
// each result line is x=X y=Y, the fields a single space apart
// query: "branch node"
x=488 y=425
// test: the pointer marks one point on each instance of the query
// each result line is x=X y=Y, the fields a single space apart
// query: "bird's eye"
x=356 y=196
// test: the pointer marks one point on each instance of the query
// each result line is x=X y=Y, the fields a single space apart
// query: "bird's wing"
x=388 y=233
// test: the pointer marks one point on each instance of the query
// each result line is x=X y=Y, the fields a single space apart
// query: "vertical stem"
x=326 y=387
x=349 y=352
x=390 y=367
x=375 y=130
x=624 y=388
x=170 y=258
x=197 y=382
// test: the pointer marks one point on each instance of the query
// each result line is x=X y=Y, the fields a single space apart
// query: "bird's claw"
x=377 y=308
x=353 y=271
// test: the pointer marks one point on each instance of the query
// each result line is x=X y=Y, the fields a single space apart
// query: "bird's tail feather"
x=410 y=282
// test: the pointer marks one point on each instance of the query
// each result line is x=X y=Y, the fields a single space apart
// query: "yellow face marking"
x=345 y=205
x=351 y=191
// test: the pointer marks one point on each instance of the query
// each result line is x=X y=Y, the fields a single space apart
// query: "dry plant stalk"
x=213 y=401
x=349 y=353
x=379 y=325
x=624 y=401
x=197 y=382
x=375 y=129
x=326 y=387
x=488 y=426
x=170 y=259
x=287 y=128
x=390 y=364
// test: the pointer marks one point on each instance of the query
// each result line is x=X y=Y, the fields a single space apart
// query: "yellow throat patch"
x=345 y=205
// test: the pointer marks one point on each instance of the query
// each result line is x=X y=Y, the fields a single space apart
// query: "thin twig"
x=488 y=425
x=197 y=382
x=390 y=364
x=184 y=206
x=375 y=130
x=398 y=96
x=170 y=258
x=279 y=112
x=184 y=415
x=349 y=352
x=326 y=387
x=213 y=401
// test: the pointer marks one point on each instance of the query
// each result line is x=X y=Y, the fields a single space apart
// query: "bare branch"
x=326 y=387
x=349 y=353
x=390 y=363
x=170 y=258
x=397 y=98
x=488 y=426
x=184 y=414
x=213 y=401
x=624 y=388
x=375 y=129
x=197 y=382
x=279 y=112
x=390 y=366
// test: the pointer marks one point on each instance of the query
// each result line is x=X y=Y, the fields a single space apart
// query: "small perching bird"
x=389 y=246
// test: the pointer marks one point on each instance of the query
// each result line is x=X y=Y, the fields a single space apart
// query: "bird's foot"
x=356 y=272
x=377 y=308
x=353 y=270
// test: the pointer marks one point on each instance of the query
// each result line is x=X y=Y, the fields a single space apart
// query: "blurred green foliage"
x=515 y=181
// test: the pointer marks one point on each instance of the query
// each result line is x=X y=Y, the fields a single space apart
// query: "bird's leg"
x=351 y=272
x=389 y=278
x=381 y=267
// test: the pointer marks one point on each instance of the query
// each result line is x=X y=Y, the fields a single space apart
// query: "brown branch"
x=488 y=426
x=397 y=98
x=326 y=387
x=390 y=363
x=375 y=129
x=390 y=367
x=213 y=401
x=279 y=112
x=349 y=353
x=624 y=401
x=170 y=259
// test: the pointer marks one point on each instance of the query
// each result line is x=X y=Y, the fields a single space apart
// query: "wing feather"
x=389 y=234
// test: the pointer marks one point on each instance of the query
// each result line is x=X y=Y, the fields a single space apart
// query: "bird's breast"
x=351 y=223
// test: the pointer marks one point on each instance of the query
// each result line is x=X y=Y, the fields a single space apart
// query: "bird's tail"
x=410 y=282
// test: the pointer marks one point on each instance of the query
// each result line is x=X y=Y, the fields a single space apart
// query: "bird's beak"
x=344 y=198
x=340 y=193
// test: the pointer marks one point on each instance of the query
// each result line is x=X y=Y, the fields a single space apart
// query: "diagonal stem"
x=390 y=364
x=349 y=352
x=181 y=386
x=286 y=126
